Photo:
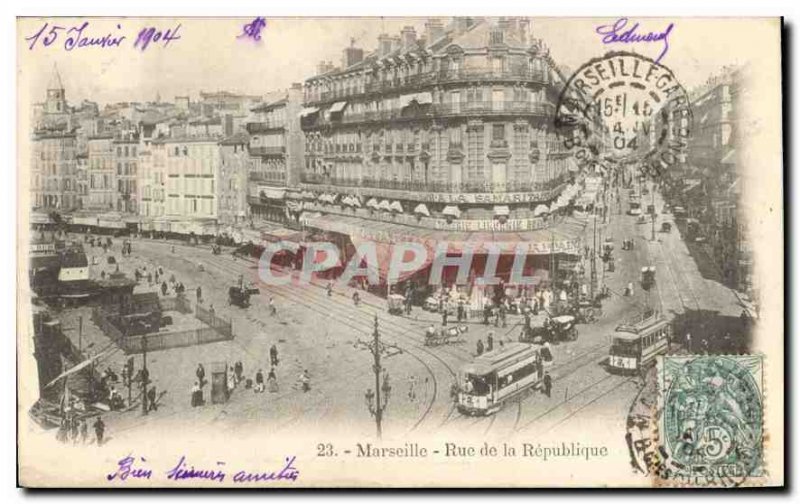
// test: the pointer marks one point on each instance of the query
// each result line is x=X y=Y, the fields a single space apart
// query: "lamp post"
x=145 y=375
x=378 y=399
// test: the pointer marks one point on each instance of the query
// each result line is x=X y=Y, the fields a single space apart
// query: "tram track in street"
x=361 y=321
x=290 y=293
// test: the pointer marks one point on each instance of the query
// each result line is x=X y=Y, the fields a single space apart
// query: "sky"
x=209 y=56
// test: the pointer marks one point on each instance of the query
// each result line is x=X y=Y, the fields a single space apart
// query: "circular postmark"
x=712 y=424
x=624 y=109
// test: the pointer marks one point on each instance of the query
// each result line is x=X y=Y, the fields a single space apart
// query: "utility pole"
x=653 y=215
x=80 y=335
x=145 y=375
x=378 y=400
x=593 y=278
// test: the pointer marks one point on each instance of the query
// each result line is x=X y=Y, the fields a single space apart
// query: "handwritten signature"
x=78 y=37
x=616 y=33
x=253 y=29
x=130 y=467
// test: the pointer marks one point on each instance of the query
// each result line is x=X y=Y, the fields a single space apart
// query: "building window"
x=498 y=132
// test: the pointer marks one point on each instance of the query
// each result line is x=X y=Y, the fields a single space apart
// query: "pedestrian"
x=273 y=355
x=259 y=382
x=412 y=393
x=272 y=381
x=151 y=399
x=305 y=381
x=212 y=311
x=197 y=395
x=149 y=278
x=272 y=310
x=489 y=342
x=99 y=430
x=201 y=375
x=84 y=431
x=156 y=277
x=103 y=274
x=329 y=288
x=479 y=347
x=163 y=288
x=238 y=369
x=199 y=293
x=503 y=311
x=548 y=384
x=444 y=317
x=496 y=315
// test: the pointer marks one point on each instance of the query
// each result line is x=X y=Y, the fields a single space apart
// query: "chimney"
x=352 y=55
x=396 y=44
x=322 y=68
x=524 y=30
x=409 y=37
x=384 y=45
x=434 y=30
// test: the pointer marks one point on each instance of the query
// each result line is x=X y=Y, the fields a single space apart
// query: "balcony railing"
x=264 y=127
x=267 y=151
x=506 y=107
x=441 y=76
x=439 y=187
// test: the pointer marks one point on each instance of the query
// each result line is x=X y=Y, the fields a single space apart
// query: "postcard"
x=506 y=252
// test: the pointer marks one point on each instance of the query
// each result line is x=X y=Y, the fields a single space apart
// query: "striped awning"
x=422 y=210
x=338 y=106
x=396 y=207
x=452 y=211
x=372 y=203
x=384 y=205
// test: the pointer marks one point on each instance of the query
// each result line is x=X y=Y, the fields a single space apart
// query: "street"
x=318 y=333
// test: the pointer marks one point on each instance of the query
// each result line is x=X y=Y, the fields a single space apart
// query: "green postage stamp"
x=712 y=418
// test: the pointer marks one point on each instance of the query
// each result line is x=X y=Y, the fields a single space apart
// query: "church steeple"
x=56 y=96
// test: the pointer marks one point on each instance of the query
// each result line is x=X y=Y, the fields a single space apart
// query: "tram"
x=637 y=343
x=495 y=377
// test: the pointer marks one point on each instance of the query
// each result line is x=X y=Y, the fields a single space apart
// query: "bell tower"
x=56 y=102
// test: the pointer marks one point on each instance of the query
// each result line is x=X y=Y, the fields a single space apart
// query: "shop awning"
x=355 y=201
x=293 y=195
x=501 y=211
x=424 y=98
x=338 y=106
x=422 y=210
x=271 y=192
x=308 y=111
x=452 y=211
x=540 y=210
x=372 y=203
x=396 y=207
x=384 y=205
x=346 y=201
x=565 y=237
x=308 y=195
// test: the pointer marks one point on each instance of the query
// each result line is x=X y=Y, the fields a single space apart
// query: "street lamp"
x=378 y=400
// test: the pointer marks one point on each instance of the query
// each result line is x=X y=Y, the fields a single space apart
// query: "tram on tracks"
x=498 y=376
x=637 y=343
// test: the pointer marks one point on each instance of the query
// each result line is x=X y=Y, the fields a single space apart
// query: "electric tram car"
x=496 y=377
x=636 y=344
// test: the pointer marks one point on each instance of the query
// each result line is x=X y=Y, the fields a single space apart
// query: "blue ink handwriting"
x=126 y=469
x=253 y=29
x=79 y=36
x=150 y=34
x=181 y=472
x=75 y=37
x=617 y=33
